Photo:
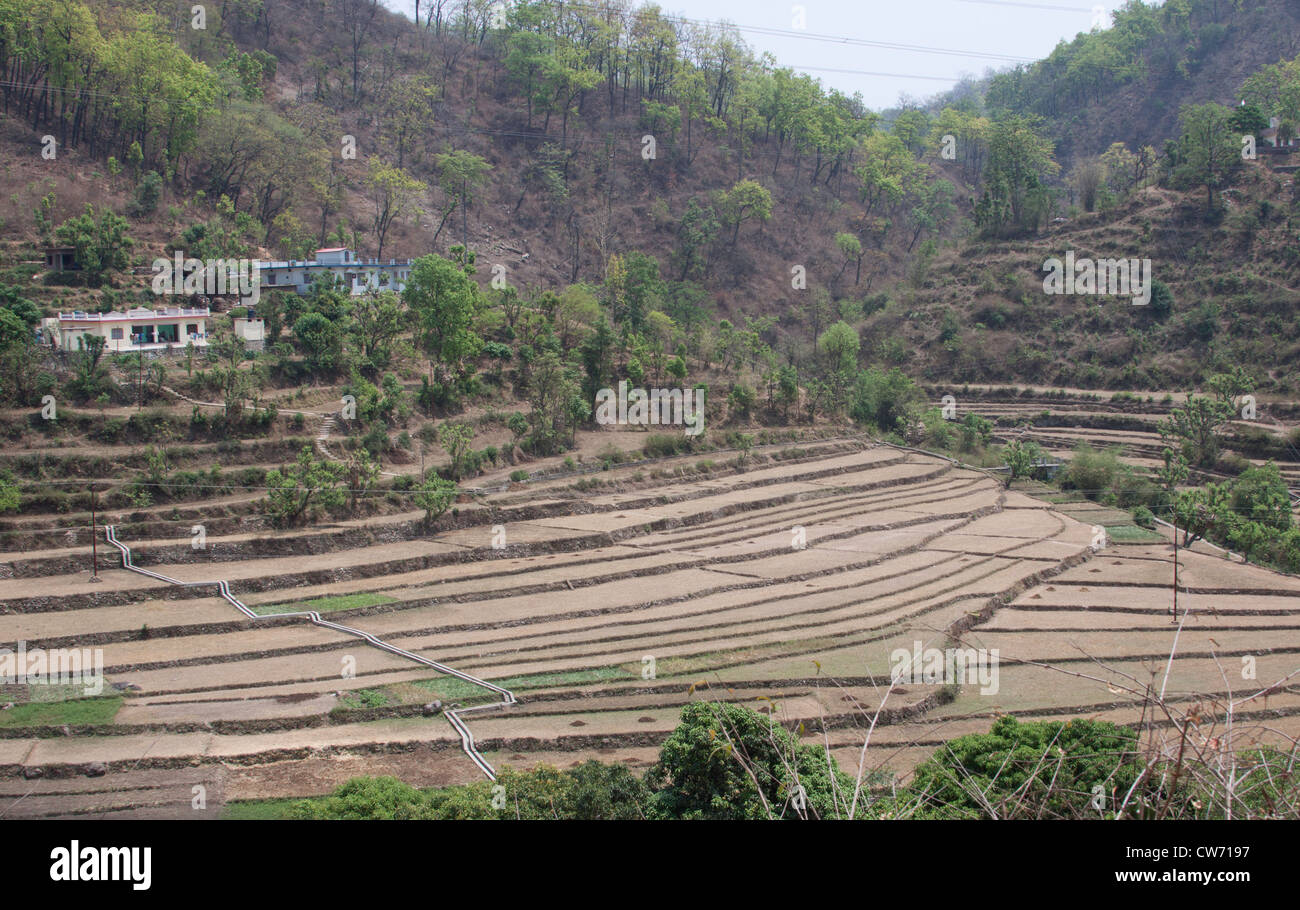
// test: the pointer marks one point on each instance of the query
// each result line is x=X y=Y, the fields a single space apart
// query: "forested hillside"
x=1126 y=83
x=615 y=165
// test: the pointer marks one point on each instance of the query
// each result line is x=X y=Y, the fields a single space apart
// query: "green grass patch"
x=326 y=604
x=58 y=713
x=449 y=688
x=1131 y=534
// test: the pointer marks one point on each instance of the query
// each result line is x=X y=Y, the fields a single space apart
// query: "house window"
x=191 y=329
x=117 y=334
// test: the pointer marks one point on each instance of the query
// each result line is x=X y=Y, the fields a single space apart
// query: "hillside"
x=563 y=182
x=1126 y=83
x=981 y=313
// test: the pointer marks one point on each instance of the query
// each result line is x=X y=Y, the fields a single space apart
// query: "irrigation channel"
x=452 y=714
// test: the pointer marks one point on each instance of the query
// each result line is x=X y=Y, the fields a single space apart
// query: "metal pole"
x=1175 y=619
x=94 y=535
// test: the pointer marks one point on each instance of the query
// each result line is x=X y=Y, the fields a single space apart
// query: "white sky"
x=1008 y=30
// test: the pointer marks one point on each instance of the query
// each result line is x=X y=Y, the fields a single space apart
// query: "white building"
x=357 y=275
x=252 y=329
x=139 y=329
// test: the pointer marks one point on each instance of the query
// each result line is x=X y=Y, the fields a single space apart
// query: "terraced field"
x=787 y=584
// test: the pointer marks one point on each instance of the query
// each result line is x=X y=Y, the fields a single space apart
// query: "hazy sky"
x=995 y=32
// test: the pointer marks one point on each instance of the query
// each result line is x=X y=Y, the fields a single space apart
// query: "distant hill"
x=1127 y=83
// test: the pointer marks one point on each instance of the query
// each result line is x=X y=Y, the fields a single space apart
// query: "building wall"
x=117 y=335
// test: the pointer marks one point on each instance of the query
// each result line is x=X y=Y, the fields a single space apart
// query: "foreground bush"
x=1033 y=770
x=728 y=762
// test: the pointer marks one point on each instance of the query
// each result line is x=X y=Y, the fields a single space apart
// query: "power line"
x=1045 y=7
x=804 y=35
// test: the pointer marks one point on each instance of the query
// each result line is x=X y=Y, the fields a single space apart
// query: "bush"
x=435 y=495
x=664 y=445
x=1034 y=770
x=147 y=193
x=699 y=774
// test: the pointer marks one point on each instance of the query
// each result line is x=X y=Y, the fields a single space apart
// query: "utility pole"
x=94 y=535
x=1175 y=619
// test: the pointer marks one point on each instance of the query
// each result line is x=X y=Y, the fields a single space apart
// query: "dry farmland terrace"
x=785 y=585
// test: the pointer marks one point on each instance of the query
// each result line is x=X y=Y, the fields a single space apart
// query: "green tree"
x=1020 y=160
x=10 y=498
x=296 y=492
x=1195 y=427
x=1209 y=150
x=377 y=323
x=460 y=174
x=746 y=200
x=1260 y=494
x=1022 y=459
x=102 y=245
x=695 y=232
x=435 y=496
x=393 y=192
x=724 y=761
x=840 y=344
x=455 y=439
x=851 y=248
x=445 y=302
x=321 y=342
x=1043 y=769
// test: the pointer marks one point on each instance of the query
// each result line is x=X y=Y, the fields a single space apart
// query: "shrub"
x=435 y=495
x=1037 y=770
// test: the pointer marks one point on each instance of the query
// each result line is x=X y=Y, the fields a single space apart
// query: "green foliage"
x=444 y=301
x=378 y=320
x=725 y=761
x=839 y=344
x=741 y=400
x=975 y=432
x=1260 y=494
x=1022 y=459
x=455 y=439
x=883 y=399
x=228 y=234
x=1195 y=427
x=589 y=791
x=1100 y=475
x=1020 y=160
x=10 y=498
x=745 y=200
x=101 y=243
x=295 y=492
x=147 y=193
x=1208 y=152
x=1045 y=769
x=697 y=229
x=321 y=341
x=435 y=496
